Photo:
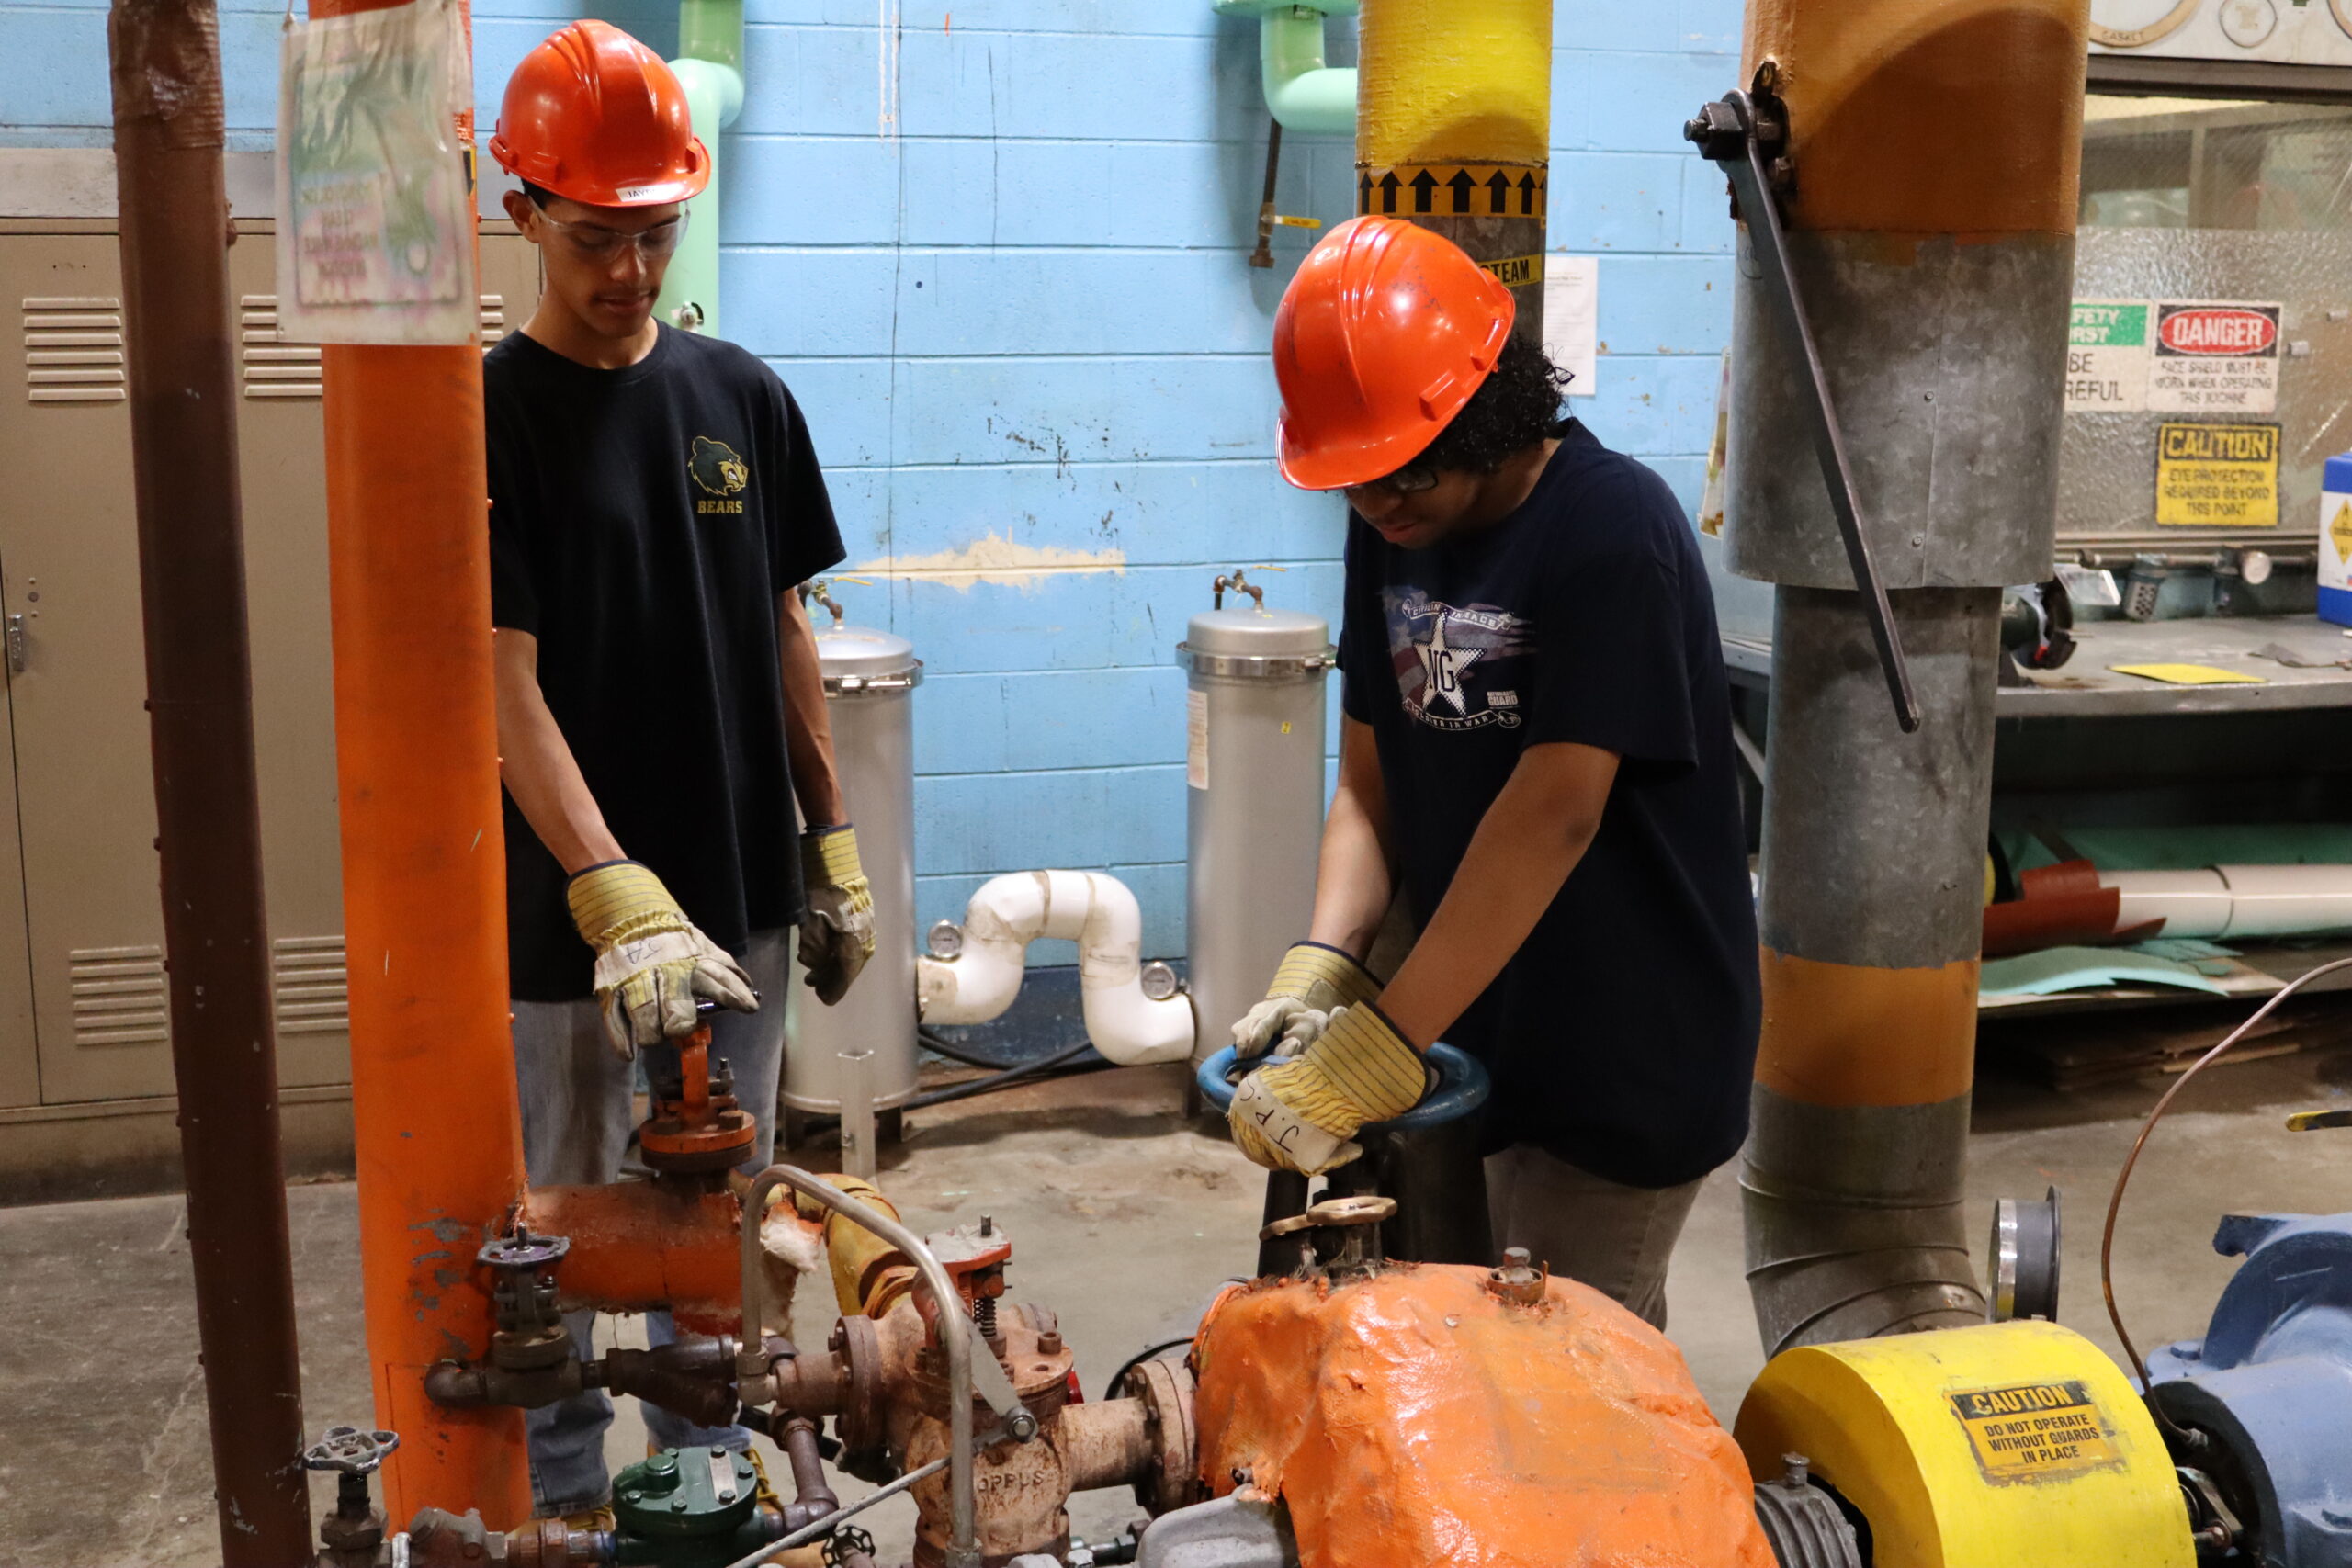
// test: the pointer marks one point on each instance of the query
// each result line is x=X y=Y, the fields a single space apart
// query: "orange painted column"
x=440 y=1143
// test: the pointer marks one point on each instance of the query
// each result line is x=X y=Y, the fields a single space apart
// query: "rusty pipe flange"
x=1166 y=1389
x=671 y=1145
x=863 y=1424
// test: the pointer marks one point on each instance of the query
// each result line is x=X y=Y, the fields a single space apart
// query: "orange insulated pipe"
x=440 y=1144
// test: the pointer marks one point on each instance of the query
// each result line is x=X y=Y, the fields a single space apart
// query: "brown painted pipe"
x=165 y=57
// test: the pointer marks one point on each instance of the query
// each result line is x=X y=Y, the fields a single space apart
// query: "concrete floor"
x=1123 y=1218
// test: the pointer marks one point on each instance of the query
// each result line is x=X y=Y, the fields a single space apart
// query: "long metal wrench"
x=1751 y=190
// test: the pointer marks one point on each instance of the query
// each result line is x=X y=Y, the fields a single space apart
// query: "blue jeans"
x=576 y=1124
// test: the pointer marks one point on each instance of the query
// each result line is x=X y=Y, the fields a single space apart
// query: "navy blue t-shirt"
x=644 y=524
x=1621 y=1036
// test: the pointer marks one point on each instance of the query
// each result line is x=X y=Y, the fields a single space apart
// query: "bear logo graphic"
x=716 y=468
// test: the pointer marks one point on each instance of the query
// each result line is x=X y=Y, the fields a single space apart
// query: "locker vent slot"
x=73 y=350
x=307 y=974
x=119 y=996
x=272 y=366
x=275 y=366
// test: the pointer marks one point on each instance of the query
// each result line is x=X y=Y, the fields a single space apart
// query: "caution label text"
x=2217 y=476
x=2035 y=1432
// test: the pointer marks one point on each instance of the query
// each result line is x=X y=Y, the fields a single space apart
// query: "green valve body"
x=689 y=1508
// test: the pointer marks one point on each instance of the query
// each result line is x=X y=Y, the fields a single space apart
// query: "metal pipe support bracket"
x=1747 y=139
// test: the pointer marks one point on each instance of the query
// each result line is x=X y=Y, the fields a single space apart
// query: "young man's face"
x=604 y=264
x=1416 y=507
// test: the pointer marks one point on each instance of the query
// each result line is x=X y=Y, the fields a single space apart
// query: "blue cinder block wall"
x=995 y=247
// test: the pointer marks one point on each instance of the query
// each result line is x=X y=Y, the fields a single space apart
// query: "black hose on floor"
x=1111 y=1389
x=933 y=1042
x=1004 y=1078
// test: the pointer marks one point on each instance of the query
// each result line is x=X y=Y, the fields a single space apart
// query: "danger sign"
x=2214 y=357
x=2217 y=476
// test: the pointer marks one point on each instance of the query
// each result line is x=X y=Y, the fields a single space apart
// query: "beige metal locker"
x=83 y=1022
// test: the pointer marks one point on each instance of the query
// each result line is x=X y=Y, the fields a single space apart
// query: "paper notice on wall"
x=374 y=204
x=1196 y=739
x=2106 y=356
x=2214 y=357
x=1710 y=499
x=1572 y=318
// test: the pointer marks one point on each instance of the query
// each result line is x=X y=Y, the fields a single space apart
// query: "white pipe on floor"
x=1096 y=911
x=2222 y=902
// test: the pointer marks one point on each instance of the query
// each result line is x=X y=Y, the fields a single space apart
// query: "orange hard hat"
x=593 y=115
x=1380 y=339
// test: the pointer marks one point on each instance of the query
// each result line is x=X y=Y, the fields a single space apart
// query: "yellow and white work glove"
x=1300 y=1114
x=1313 y=982
x=652 y=964
x=837 y=928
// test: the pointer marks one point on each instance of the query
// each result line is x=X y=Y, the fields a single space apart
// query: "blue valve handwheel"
x=1462 y=1087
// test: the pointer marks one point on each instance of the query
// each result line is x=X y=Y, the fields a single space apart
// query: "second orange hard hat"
x=593 y=115
x=1379 y=341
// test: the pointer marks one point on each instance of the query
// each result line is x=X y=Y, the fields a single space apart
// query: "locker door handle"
x=15 y=645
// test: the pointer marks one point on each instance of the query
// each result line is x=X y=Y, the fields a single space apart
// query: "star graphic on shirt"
x=1442 y=668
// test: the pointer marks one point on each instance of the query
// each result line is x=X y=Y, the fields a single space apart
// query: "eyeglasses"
x=1410 y=479
x=595 y=242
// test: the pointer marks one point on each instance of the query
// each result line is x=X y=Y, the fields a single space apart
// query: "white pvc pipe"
x=1096 y=911
x=2224 y=902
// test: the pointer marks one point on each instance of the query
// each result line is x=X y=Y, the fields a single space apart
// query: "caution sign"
x=2217 y=476
x=2339 y=531
x=2035 y=1431
x=1514 y=272
x=1453 y=190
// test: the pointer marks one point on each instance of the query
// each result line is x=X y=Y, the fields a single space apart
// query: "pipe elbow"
x=1302 y=94
x=714 y=92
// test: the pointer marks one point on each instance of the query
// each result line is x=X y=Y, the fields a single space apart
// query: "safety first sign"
x=2040 y=1431
x=2217 y=476
x=2206 y=357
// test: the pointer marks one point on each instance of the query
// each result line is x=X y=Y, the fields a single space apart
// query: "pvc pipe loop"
x=1462 y=1088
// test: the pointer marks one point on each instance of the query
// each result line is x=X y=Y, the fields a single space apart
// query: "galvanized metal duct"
x=1937 y=268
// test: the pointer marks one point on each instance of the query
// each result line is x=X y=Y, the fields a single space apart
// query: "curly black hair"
x=1516 y=406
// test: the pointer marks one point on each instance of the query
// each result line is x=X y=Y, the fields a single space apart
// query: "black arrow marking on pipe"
x=1462 y=184
x=1389 y=185
x=1527 y=195
x=1498 y=189
x=1364 y=193
x=1424 y=191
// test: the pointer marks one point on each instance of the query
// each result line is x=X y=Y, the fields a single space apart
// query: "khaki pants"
x=1615 y=1238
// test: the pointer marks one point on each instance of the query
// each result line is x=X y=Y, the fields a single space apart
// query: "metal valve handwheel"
x=349 y=1450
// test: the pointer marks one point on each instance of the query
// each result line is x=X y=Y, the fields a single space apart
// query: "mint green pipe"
x=710 y=68
x=1302 y=93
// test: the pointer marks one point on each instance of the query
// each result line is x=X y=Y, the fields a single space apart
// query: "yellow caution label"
x=2035 y=1431
x=2217 y=476
x=1514 y=272
x=1453 y=190
x=2339 y=532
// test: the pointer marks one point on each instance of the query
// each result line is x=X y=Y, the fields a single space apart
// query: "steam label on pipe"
x=2106 y=356
x=2214 y=357
x=1196 y=737
x=2217 y=476
x=2036 y=1432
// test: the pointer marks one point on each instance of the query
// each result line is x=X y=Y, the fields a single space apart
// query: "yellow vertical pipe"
x=1453 y=125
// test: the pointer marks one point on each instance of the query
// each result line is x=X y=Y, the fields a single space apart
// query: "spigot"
x=355 y=1528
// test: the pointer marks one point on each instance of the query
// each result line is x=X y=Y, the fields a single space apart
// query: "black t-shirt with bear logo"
x=1621 y=1036
x=644 y=523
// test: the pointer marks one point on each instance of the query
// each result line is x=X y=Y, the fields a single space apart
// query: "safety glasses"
x=1410 y=479
x=595 y=242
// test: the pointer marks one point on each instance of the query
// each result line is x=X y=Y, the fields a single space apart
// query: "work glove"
x=1312 y=981
x=837 y=928
x=652 y=964
x=1300 y=1114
